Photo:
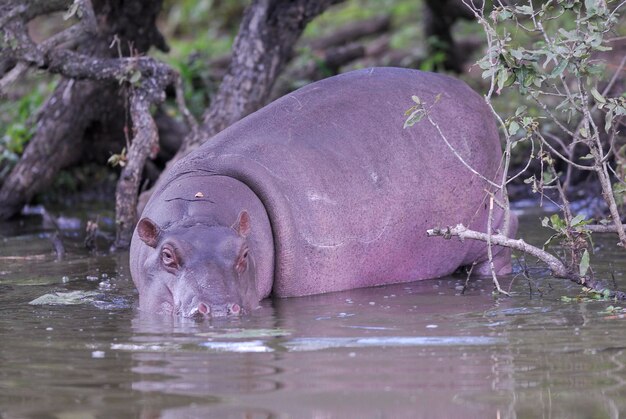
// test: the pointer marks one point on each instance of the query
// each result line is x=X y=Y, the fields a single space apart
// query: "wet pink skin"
x=339 y=195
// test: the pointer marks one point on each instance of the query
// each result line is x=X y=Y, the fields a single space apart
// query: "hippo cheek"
x=157 y=298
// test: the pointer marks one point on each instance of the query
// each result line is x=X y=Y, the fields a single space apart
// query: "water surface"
x=408 y=350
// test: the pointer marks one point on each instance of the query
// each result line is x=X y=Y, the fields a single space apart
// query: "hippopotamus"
x=323 y=190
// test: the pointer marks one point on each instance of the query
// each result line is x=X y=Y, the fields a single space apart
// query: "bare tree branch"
x=263 y=46
x=556 y=266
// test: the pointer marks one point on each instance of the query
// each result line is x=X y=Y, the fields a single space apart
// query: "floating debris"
x=65 y=298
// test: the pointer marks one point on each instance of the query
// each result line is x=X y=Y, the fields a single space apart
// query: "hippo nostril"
x=234 y=308
x=204 y=309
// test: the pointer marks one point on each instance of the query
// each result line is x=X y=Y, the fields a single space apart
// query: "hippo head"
x=195 y=268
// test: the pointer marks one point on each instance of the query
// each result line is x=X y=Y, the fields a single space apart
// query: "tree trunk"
x=80 y=111
x=262 y=48
x=439 y=17
x=264 y=45
x=56 y=144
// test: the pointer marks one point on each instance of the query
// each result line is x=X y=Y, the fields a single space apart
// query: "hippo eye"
x=168 y=256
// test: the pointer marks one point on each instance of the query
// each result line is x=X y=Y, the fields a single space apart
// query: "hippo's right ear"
x=148 y=231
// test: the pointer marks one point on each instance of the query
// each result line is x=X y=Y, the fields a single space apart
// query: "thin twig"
x=562 y=157
x=492 y=267
x=9 y=78
x=182 y=106
x=461 y=159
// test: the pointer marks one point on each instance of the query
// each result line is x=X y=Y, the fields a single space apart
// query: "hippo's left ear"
x=242 y=225
x=148 y=231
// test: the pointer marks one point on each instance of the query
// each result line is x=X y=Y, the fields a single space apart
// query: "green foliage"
x=91 y=180
x=558 y=39
x=197 y=83
x=16 y=123
x=415 y=113
x=573 y=237
x=562 y=227
x=588 y=295
x=550 y=53
x=614 y=310
x=201 y=30
x=350 y=11
x=197 y=31
x=186 y=18
x=418 y=111
x=434 y=61
x=118 y=159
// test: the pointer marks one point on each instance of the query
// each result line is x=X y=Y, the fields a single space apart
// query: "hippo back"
x=348 y=191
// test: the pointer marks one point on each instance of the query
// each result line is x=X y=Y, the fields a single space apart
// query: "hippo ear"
x=148 y=231
x=242 y=225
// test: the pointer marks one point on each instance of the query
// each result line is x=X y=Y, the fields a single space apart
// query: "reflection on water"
x=409 y=350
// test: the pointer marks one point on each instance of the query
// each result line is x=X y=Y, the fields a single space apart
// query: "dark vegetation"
x=99 y=95
x=114 y=101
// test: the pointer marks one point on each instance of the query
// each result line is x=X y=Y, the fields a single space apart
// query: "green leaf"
x=570 y=35
x=135 y=77
x=547 y=243
x=603 y=48
x=558 y=70
x=557 y=222
x=547 y=178
x=518 y=53
x=595 y=7
x=529 y=77
x=503 y=75
x=583 y=267
x=414 y=118
x=524 y=10
x=513 y=128
x=608 y=120
x=597 y=96
x=503 y=15
x=410 y=110
x=576 y=220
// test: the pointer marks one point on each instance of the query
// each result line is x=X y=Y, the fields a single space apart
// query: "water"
x=411 y=350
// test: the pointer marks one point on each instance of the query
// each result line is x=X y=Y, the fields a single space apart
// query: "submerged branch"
x=556 y=266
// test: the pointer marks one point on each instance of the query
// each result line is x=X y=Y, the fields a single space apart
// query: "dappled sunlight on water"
x=408 y=350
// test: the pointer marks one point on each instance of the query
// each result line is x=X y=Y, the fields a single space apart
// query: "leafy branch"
x=549 y=53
